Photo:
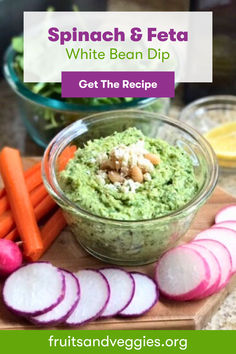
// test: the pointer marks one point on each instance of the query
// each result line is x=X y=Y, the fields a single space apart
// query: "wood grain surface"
x=66 y=253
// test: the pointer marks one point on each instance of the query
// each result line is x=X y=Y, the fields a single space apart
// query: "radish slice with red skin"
x=226 y=214
x=62 y=311
x=122 y=287
x=223 y=256
x=145 y=296
x=214 y=265
x=94 y=296
x=34 y=289
x=226 y=224
x=226 y=236
x=182 y=274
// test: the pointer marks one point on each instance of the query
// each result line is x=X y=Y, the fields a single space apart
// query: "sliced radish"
x=182 y=274
x=63 y=310
x=223 y=256
x=214 y=266
x=226 y=214
x=122 y=288
x=94 y=296
x=145 y=296
x=34 y=289
x=226 y=236
x=226 y=224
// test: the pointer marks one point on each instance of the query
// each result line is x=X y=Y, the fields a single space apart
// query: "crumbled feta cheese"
x=147 y=176
x=145 y=164
x=111 y=186
x=139 y=147
x=118 y=152
x=124 y=189
x=102 y=173
x=131 y=185
x=122 y=159
x=124 y=171
x=101 y=176
x=102 y=157
x=101 y=180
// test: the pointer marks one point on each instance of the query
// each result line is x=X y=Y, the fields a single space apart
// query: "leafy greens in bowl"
x=43 y=110
x=53 y=89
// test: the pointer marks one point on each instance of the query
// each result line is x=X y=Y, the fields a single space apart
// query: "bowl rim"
x=20 y=88
x=204 y=101
x=214 y=102
x=64 y=137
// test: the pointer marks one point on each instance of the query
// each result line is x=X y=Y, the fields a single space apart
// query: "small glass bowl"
x=209 y=112
x=138 y=242
x=44 y=117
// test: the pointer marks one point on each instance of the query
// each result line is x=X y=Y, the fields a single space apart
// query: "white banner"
x=117 y=41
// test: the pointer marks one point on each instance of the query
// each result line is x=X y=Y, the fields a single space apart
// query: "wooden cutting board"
x=66 y=253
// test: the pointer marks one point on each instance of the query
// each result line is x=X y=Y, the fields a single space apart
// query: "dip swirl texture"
x=172 y=183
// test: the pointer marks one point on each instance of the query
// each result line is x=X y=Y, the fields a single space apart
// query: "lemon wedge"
x=223 y=141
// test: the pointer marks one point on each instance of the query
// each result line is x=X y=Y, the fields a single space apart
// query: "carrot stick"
x=27 y=173
x=12 y=235
x=44 y=207
x=67 y=154
x=4 y=204
x=32 y=180
x=40 y=210
x=22 y=210
x=32 y=169
x=2 y=192
x=51 y=230
x=7 y=221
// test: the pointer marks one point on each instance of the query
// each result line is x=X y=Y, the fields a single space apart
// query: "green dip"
x=172 y=183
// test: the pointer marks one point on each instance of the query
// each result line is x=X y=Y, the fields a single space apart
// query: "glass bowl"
x=209 y=112
x=138 y=242
x=44 y=117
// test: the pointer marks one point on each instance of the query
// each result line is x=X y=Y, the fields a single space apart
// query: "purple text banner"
x=118 y=84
